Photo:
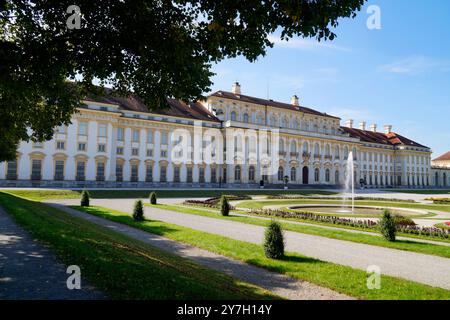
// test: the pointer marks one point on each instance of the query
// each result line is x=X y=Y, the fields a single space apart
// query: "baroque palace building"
x=441 y=170
x=119 y=142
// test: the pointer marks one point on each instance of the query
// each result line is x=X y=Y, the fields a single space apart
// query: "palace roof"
x=268 y=102
x=175 y=108
x=392 y=138
x=444 y=157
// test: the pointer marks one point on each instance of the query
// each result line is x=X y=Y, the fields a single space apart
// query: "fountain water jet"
x=350 y=180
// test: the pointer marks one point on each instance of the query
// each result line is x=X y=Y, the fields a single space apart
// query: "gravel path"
x=422 y=268
x=279 y=284
x=30 y=271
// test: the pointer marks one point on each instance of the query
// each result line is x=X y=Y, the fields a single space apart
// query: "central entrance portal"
x=305 y=174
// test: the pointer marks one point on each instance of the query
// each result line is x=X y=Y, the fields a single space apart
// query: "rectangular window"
x=83 y=128
x=100 y=171
x=163 y=153
x=82 y=146
x=119 y=150
x=149 y=173
x=12 y=170
x=149 y=153
x=101 y=147
x=135 y=151
x=36 y=168
x=163 y=174
x=81 y=166
x=135 y=135
x=189 y=175
x=120 y=134
x=164 y=138
x=176 y=174
x=60 y=145
x=201 y=175
x=59 y=170
x=213 y=175
x=134 y=172
x=102 y=130
x=119 y=172
x=149 y=136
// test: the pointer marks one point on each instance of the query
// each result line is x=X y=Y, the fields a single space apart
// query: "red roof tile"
x=392 y=138
x=266 y=102
x=444 y=157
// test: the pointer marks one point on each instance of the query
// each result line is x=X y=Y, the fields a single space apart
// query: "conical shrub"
x=85 y=196
x=152 y=197
x=387 y=226
x=138 y=211
x=224 y=206
x=274 y=241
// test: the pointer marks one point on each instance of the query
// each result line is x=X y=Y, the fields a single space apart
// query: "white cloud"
x=416 y=65
x=305 y=44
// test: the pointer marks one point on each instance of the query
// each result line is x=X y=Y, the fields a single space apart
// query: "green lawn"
x=407 y=245
x=119 y=266
x=258 y=204
x=43 y=194
x=340 y=278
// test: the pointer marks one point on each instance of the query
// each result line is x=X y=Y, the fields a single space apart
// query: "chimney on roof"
x=373 y=127
x=349 y=123
x=236 y=88
x=362 y=125
x=294 y=100
x=387 y=129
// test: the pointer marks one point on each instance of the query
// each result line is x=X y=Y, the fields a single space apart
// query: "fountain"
x=350 y=181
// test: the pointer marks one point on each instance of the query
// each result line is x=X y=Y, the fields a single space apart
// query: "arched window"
x=284 y=122
x=444 y=176
x=273 y=121
x=280 y=173
x=251 y=173
x=293 y=174
x=327 y=150
x=245 y=117
x=354 y=153
x=260 y=119
x=233 y=116
x=295 y=124
x=327 y=175
x=316 y=149
x=316 y=175
x=237 y=173
x=281 y=145
x=305 y=147
x=293 y=146
x=336 y=177
x=436 y=179
x=337 y=152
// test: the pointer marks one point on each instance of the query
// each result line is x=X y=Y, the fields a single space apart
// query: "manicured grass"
x=407 y=245
x=42 y=194
x=122 y=267
x=258 y=204
x=340 y=278
x=442 y=226
x=419 y=191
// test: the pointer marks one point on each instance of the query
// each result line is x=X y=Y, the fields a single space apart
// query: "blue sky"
x=397 y=75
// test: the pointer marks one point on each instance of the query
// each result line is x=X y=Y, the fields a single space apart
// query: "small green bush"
x=273 y=241
x=387 y=226
x=401 y=221
x=138 y=211
x=152 y=197
x=224 y=206
x=85 y=198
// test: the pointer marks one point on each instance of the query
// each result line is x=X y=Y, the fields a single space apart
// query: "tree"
x=152 y=197
x=138 y=211
x=274 y=241
x=388 y=226
x=154 y=49
x=224 y=206
x=85 y=198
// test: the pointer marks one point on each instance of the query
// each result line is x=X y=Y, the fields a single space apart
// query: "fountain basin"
x=358 y=210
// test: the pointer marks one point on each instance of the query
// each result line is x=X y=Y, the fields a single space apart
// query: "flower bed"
x=214 y=202
x=439 y=200
x=299 y=197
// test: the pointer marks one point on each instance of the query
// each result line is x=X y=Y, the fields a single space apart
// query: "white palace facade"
x=119 y=142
